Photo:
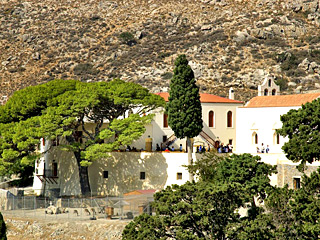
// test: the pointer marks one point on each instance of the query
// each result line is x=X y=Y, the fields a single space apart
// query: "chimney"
x=231 y=93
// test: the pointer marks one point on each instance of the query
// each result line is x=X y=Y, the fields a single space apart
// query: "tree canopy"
x=184 y=106
x=62 y=108
x=209 y=208
x=302 y=126
x=296 y=214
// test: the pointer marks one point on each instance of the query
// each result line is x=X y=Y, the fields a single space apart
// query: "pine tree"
x=184 y=107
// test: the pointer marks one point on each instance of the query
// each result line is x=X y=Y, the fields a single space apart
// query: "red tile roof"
x=282 y=100
x=204 y=98
x=140 y=192
x=148 y=191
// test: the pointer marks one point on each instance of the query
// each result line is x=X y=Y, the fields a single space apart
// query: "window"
x=54 y=169
x=273 y=92
x=255 y=138
x=269 y=83
x=165 y=120
x=142 y=175
x=211 y=119
x=296 y=183
x=266 y=92
x=105 y=174
x=276 y=138
x=179 y=176
x=229 y=119
x=164 y=138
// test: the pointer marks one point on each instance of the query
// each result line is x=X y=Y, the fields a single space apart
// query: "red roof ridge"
x=282 y=100
x=204 y=98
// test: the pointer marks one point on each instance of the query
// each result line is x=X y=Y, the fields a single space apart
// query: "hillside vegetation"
x=228 y=42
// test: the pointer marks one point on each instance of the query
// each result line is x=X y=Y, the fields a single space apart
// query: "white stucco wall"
x=123 y=172
x=263 y=121
x=220 y=130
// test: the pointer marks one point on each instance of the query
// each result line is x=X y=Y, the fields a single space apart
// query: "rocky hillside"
x=35 y=229
x=228 y=42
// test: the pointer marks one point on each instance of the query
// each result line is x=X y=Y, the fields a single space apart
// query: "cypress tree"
x=184 y=106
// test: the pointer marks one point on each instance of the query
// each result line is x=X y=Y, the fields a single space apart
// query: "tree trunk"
x=190 y=160
x=83 y=176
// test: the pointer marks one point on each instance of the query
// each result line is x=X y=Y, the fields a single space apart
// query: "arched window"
x=273 y=92
x=165 y=120
x=255 y=138
x=229 y=119
x=266 y=92
x=276 y=138
x=211 y=119
x=269 y=83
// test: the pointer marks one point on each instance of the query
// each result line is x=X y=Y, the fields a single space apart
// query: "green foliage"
x=208 y=209
x=184 y=106
x=283 y=83
x=61 y=108
x=296 y=214
x=3 y=228
x=245 y=169
x=301 y=127
x=288 y=61
x=206 y=167
x=261 y=228
x=145 y=227
x=127 y=38
x=191 y=211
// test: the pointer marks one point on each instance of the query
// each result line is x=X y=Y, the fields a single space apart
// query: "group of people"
x=262 y=149
x=168 y=149
x=202 y=149
x=133 y=149
x=225 y=149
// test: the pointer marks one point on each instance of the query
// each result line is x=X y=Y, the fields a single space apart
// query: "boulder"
x=304 y=65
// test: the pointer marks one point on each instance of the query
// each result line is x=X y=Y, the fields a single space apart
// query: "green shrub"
x=315 y=55
x=291 y=61
x=3 y=228
x=283 y=83
x=163 y=55
x=85 y=68
x=127 y=38
x=167 y=75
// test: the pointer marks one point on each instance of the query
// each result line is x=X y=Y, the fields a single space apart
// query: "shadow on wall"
x=68 y=181
x=208 y=131
x=123 y=172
